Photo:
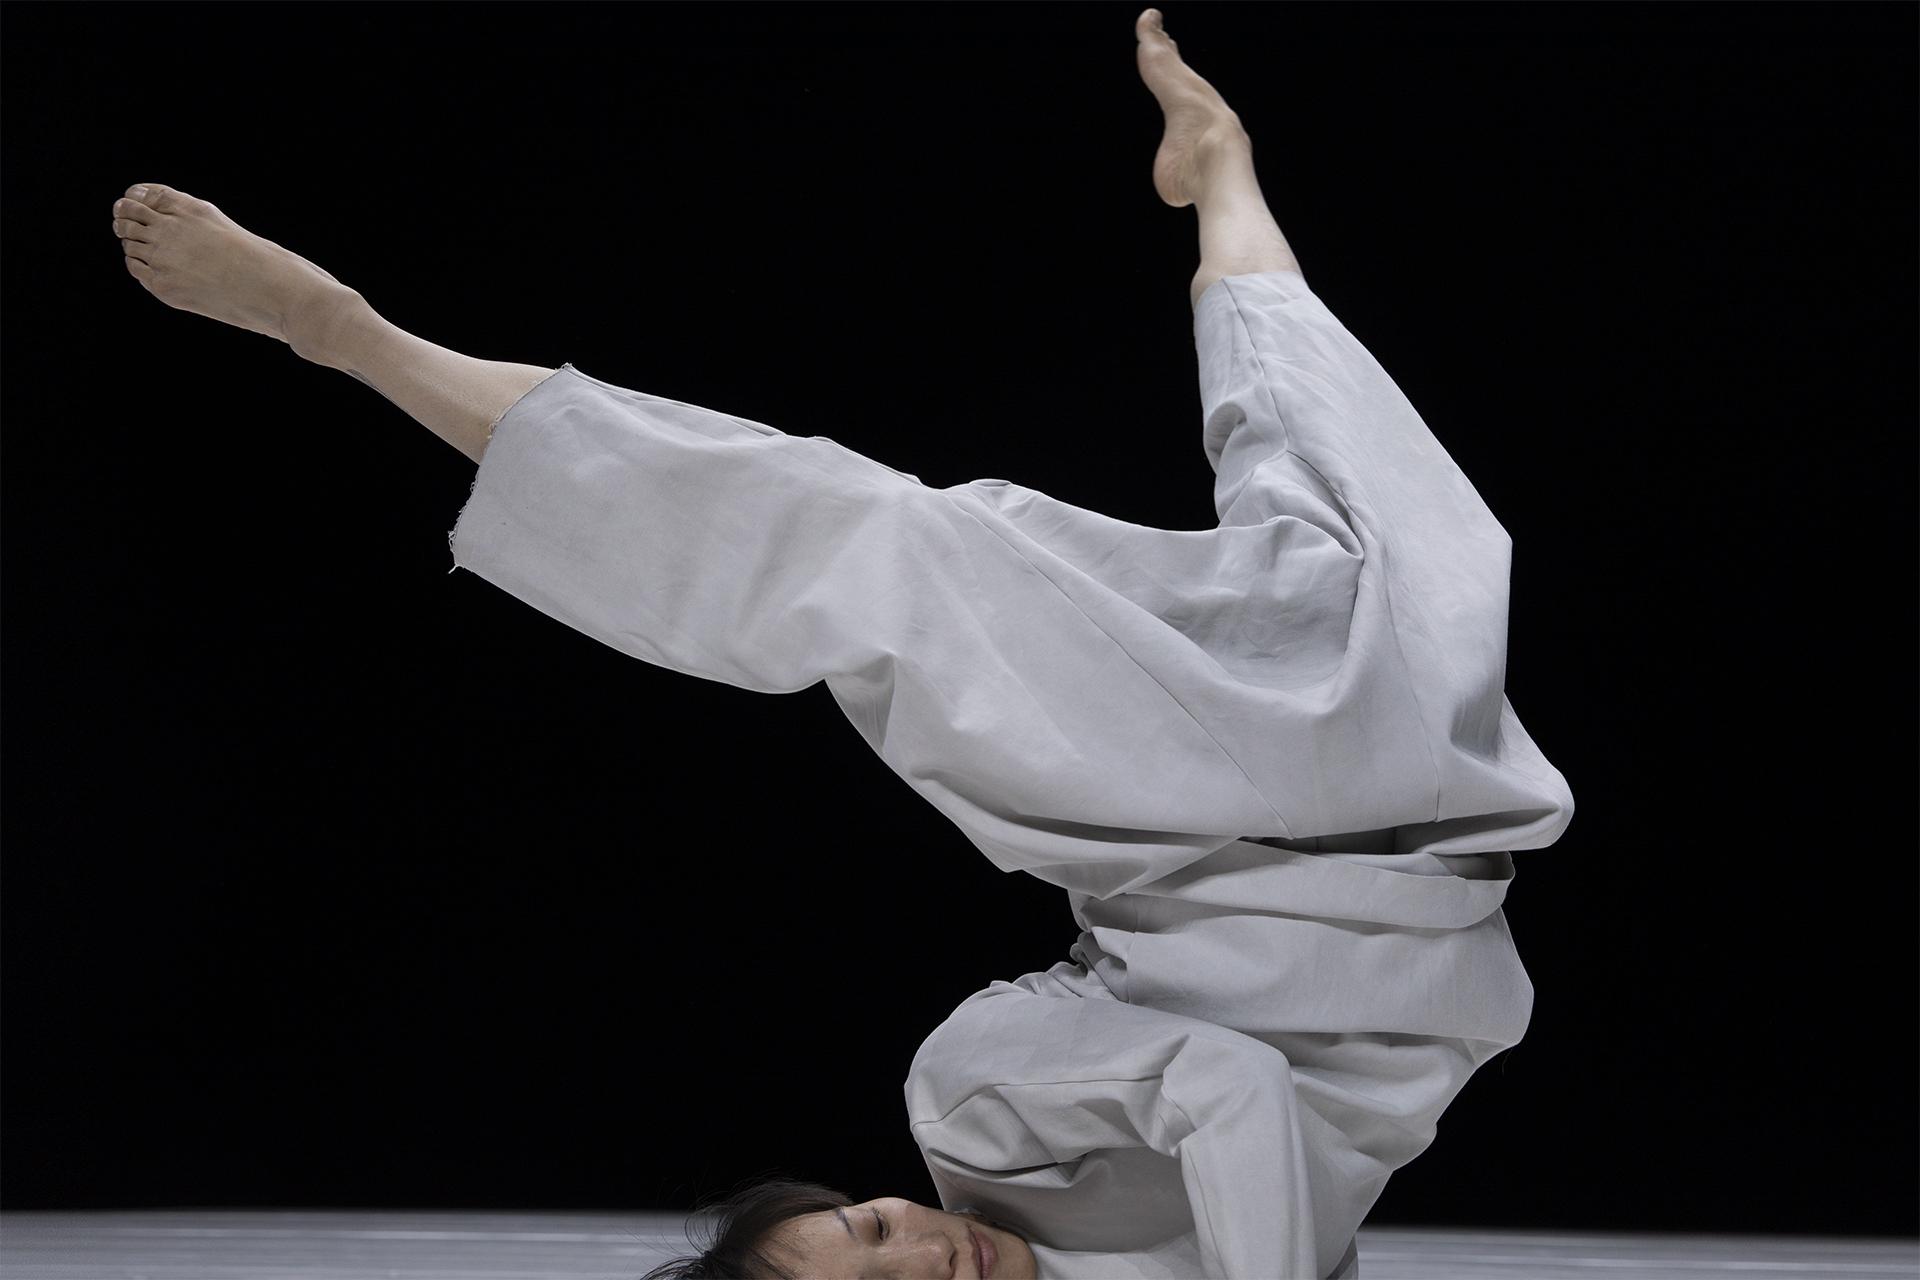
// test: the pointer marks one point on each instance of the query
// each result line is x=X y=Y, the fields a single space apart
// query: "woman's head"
x=784 y=1229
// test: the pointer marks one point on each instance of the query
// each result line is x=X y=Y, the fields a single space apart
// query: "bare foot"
x=1199 y=122
x=191 y=256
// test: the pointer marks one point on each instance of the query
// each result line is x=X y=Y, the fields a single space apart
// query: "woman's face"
x=891 y=1239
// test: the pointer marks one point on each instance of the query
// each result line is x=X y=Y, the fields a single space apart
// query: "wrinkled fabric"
x=1212 y=1089
x=1271 y=762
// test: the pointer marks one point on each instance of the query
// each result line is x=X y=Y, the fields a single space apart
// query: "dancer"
x=1271 y=762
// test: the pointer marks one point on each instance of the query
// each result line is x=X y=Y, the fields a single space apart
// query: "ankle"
x=1223 y=150
x=328 y=324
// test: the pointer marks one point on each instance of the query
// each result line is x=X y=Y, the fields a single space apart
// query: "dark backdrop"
x=332 y=879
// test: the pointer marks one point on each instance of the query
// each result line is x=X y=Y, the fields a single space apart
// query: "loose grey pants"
x=1096 y=702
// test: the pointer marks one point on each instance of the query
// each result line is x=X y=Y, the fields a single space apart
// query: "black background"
x=333 y=879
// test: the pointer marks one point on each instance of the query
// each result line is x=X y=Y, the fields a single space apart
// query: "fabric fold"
x=1272 y=763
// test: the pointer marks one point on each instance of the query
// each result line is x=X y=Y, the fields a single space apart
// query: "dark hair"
x=746 y=1217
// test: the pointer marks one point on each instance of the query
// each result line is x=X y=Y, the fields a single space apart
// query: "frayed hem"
x=453 y=533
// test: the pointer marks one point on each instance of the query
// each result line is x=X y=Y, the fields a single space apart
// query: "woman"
x=1271 y=762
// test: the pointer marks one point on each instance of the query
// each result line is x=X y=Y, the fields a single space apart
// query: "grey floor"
x=309 y=1245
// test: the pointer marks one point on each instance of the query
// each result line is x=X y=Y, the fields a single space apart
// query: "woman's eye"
x=880 y=1224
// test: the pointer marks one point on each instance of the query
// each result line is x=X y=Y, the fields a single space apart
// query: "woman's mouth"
x=984 y=1254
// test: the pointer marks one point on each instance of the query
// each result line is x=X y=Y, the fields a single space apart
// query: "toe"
x=158 y=198
x=126 y=210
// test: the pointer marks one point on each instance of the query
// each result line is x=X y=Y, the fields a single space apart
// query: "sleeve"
x=728 y=550
x=1014 y=1080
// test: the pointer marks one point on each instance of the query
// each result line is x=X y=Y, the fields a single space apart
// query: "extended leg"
x=457 y=397
x=1206 y=160
x=195 y=258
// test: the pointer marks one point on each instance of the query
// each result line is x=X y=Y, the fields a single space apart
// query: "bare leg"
x=457 y=397
x=195 y=258
x=1206 y=160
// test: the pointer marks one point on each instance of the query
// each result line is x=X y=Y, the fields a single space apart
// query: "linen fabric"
x=1272 y=763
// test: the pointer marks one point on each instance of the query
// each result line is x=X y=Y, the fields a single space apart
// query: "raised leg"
x=193 y=257
x=1238 y=234
x=1206 y=160
x=457 y=397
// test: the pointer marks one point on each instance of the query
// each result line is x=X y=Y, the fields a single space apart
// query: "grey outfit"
x=1272 y=763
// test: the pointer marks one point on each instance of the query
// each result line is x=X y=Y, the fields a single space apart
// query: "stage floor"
x=172 y=1244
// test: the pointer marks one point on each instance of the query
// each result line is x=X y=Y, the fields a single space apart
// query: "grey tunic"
x=1271 y=762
